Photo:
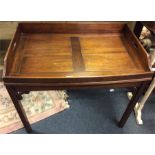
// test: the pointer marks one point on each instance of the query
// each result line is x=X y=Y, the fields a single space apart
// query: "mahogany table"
x=71 y=55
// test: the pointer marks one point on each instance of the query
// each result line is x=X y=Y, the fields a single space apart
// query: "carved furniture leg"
x=15 y=99
x=132 y=104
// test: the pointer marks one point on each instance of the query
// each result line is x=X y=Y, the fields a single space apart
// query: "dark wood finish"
x=60 y=55
x=133 y=41
x=72 y=27
x=43 y=56
x=133 y=102
x=14 y=96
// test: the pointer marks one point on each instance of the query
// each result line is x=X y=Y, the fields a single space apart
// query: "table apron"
x=62 y=86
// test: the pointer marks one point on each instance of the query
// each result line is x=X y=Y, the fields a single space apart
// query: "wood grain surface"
x=87 y=50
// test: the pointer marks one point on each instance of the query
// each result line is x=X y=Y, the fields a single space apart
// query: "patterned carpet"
x=38 y=105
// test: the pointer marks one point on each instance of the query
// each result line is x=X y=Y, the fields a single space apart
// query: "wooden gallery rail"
x=71 y=55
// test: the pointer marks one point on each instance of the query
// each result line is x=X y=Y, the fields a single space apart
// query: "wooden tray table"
x=71 y=55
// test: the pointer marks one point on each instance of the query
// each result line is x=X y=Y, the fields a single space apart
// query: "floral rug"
x=38 y=105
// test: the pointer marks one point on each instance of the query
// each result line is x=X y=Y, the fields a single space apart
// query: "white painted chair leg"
x=139 y=106
x=138 y=113
x=152 y=56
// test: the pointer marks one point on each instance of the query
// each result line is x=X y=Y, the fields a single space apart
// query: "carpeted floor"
x=96 y=111
x=37 y=104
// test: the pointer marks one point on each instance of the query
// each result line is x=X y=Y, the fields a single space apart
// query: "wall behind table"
x=7 y=29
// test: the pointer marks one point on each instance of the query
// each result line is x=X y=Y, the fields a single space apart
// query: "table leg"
x=138 y=113
x=14 y=96
x=139 y=107
x=132 y=103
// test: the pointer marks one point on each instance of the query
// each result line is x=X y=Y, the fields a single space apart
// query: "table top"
x=75 y=51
